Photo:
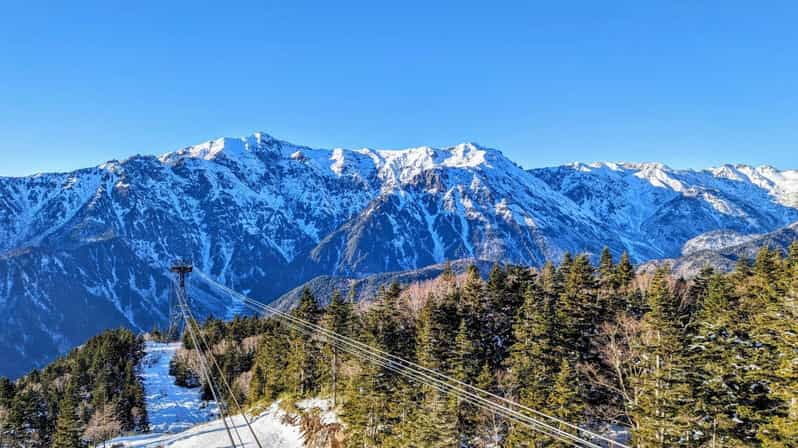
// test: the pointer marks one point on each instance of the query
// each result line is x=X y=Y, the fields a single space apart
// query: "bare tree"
x=620 y=346
x=103 y=425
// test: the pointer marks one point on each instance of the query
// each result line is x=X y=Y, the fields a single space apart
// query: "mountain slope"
x=655 y=209
x=723 y=255
x=367 y=288
x=90 y=249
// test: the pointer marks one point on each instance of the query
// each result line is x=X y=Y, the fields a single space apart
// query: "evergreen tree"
x=774 y=352
x=782 y=430
x=473 y=304
x=742 y=270
x=302 y=368
x=563 y=401
x=7 y=391
x=577 y=310
x=531 y=362
x=337 y=319
x=436 y=424
x=369 y=405
x=698 y=290
x=68 y=431
x=465 y=367
x=716 y=356
x=437 y=323
x=660 y=417
x=608 y=278
x=792 y=260
x=624 y=272
x=490 y=428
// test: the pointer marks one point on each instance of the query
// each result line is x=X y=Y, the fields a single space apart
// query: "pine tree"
x=364 y=409
x=270 y=364
x=531 y=361
x=624 y=272
x=436 y=424
x=67 y=431
x=577 y=310
x=698 y=290
x=7 y=391
x=607 y=276
x=370 y=405
x=465 y=365
x=563 y=401
x=338 y=319
x=716 y=356
x=660 y=418
x=438 y=321
x=782 y=430
x=303 y=356
x=775 y=352
x=490 y=427
x=473 y=308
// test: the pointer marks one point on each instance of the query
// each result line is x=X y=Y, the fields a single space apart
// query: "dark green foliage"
x=662 y=384
x=708 y=362
x=302 y=367
x=53 y=406
x=235 y=352
x=67 y=428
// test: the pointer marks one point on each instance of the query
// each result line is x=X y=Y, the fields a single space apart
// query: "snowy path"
x=171 y=408
x=180 y=419
x=272 y=432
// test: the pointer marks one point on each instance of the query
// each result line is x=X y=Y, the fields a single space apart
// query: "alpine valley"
x=84 y=251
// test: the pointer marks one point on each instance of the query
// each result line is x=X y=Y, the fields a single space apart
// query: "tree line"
x=710 y=362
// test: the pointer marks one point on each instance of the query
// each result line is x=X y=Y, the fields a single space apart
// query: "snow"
x=171 y=408
x=325 y=406
x=270 y=428
x=180 y=419
x=716 y=240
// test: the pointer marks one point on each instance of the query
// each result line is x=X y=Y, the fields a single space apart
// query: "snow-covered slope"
x=724 y=256
x=655 y=209
x=170 y=408
x=88 y=250
x=270 y=428
x=716 y=240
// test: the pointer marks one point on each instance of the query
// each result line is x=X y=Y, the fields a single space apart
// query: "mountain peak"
x=231 y=147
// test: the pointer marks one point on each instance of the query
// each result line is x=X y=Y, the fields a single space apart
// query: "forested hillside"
x=711 y=362
x=89 y=395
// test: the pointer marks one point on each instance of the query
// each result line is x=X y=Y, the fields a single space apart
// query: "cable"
x=534 y=422
x=227 y=385
x=446 y=390
x=205 y=348
x=529 y=421
x=205 y=370
x=441 y=380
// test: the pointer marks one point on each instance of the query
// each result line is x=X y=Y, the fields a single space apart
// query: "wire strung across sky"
x=203 y=347
x=538 y=421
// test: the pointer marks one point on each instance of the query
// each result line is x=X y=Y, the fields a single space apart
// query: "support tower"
x=182 y=268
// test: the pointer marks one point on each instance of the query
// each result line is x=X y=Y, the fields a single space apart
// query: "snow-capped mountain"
x=87 y=250
x=722 y=250
x=654 y=209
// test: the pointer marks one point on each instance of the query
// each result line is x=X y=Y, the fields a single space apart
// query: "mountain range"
x=90 y=249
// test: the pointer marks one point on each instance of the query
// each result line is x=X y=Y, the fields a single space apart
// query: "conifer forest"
x=709 y=362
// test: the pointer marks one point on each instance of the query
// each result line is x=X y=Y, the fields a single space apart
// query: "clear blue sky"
x=691 y=84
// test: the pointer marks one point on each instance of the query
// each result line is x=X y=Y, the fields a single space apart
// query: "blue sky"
x=691 y=84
